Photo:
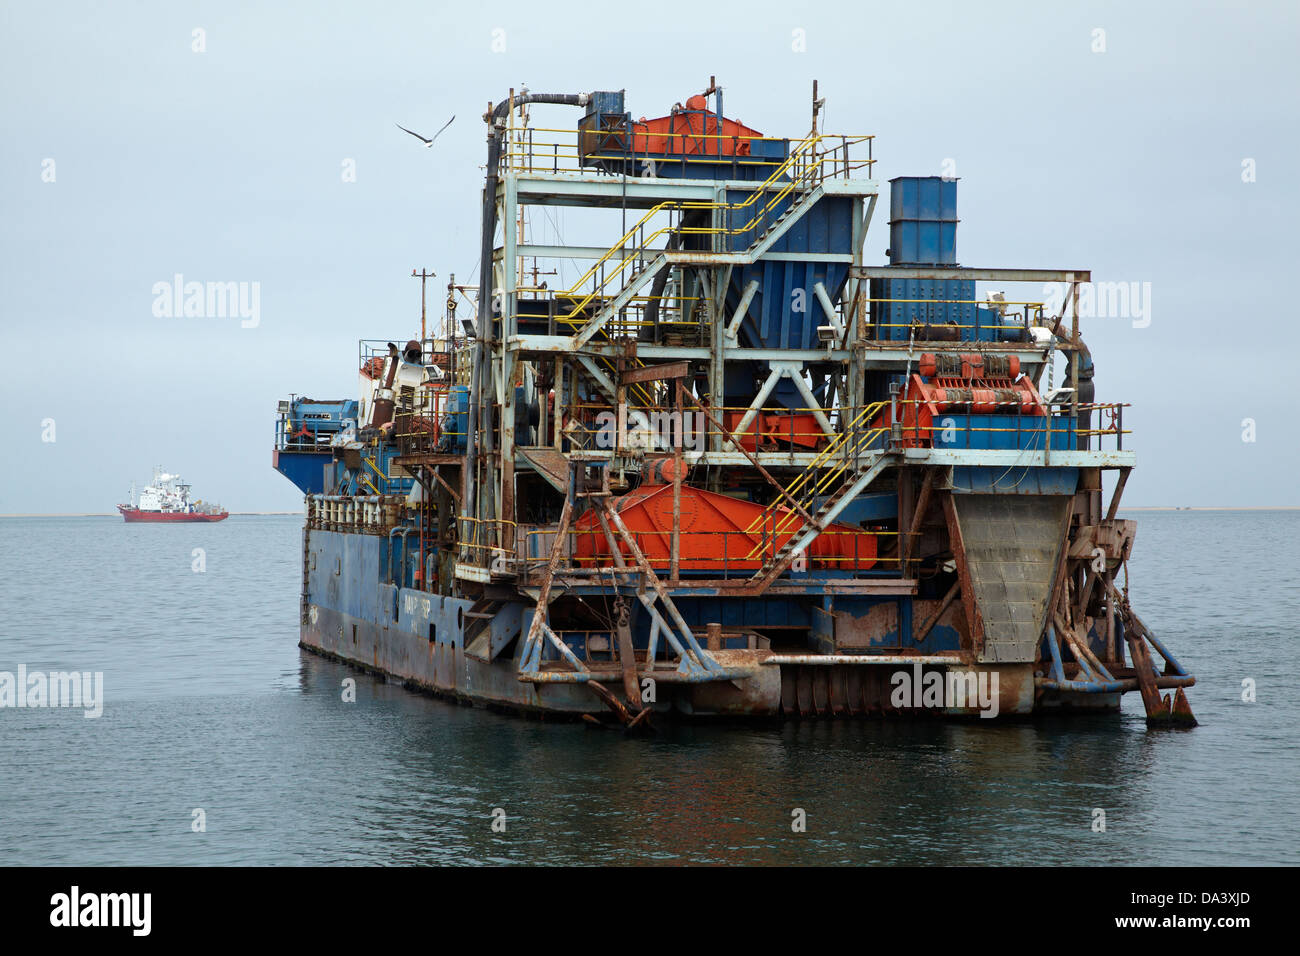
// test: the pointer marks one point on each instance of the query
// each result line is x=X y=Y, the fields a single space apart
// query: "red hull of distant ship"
x=135 y=514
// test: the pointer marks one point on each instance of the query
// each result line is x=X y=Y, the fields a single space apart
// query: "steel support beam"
x=972 y=272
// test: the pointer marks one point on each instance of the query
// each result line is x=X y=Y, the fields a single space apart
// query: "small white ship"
x=167 y=498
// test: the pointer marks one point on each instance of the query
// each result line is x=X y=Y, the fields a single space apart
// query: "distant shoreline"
x=1210 y=508
x=256 y=514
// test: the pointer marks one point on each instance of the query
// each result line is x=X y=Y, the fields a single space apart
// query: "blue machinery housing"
x=731 y=468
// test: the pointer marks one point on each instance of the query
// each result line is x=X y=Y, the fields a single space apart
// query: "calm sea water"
x=210 y=704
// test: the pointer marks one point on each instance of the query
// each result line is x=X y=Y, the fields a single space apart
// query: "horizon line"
x=257 y=514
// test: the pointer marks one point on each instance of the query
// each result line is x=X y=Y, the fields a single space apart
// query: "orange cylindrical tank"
x=718 y=534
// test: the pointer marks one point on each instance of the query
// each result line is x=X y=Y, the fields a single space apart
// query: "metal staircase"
x=824 y=516
x=804 y=168
x=778 y=226
x=831 y=463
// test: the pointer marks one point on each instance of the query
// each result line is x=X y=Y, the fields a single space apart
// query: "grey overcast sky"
x=225 y=165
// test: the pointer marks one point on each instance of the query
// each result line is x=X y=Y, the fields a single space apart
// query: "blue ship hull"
x=419 y=638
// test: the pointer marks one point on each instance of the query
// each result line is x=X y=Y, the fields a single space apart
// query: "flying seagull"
x=427 y=142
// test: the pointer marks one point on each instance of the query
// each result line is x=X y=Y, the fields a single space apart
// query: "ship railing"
x=679 y=319
x=922 y=317
x=1006 y=425
x=361 y=514
x=371 y=477
x=540 y=150
x=441 y=352
x=479 y=539
x=291 y=436
x=428 y=436
x=424 y=422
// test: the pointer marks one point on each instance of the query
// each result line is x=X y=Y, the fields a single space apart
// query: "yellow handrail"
x=563 y=152
x=641 y=250
x=831 y=449
x=787 y=518
x=571 y=317
x=810 y=481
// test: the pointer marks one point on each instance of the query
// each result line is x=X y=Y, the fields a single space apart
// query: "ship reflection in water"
x=871 y=792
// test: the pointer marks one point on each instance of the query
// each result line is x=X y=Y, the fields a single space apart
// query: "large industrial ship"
x=732 y=468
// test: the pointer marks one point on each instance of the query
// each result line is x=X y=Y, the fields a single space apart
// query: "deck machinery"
x=723 y=466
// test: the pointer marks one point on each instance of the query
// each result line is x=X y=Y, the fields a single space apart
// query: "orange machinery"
x=692 y=131
x=969 y=383
x=776 y=428
x=718 y=533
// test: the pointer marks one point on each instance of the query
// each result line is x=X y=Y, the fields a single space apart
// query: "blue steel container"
x=923 y=302
x=930 y=198
x=913 y=242
x=605 y=101
x=922 y=220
